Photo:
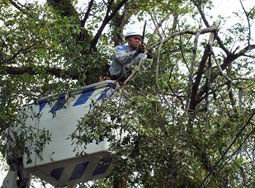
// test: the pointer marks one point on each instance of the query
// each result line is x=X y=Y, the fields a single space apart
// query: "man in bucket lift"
x=125 y=56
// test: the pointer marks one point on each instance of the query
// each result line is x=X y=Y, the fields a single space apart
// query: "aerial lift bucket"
x=59 y=164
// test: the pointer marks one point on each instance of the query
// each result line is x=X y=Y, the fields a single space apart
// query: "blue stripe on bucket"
x=106 y=93
x=59 y=104
x=56 y=173
x=102 y=166
x=78 y=171
x=42 y=105
x=84 y=97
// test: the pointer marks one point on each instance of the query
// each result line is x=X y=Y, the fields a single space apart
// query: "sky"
x=221 y=7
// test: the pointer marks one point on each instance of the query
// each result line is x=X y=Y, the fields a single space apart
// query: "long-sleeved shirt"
x=122 y=62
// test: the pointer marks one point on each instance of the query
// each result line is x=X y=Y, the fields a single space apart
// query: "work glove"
x=141 y=49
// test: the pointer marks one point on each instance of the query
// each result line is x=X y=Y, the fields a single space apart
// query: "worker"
x=125 y=56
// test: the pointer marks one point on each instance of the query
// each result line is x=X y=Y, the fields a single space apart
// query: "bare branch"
x=248 y=21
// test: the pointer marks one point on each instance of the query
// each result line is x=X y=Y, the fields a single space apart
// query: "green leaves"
x=158 y=139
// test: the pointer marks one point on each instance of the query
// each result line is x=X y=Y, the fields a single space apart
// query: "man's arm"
x=124 y=57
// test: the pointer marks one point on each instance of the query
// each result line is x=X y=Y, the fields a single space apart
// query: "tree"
x=186 y=121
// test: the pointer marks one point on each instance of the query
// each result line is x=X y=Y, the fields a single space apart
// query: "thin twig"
x=248 y=21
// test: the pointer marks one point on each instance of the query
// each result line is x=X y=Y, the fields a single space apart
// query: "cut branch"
x=194 y=86
x=202 y=14
x=188 y=31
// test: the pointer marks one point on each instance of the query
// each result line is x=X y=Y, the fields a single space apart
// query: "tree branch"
x=59 y=73
x=83 y=21
x=226 y=62
x=106 y=20
x=194 y=90
x=17 y=6
x=21 y=50
x=248 y=21
x=231 y=57
x=187 y=31
x=194 y=86
x=191 y=69
x=207 y=25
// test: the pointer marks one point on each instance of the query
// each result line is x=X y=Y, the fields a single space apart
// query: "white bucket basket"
x=59 y=164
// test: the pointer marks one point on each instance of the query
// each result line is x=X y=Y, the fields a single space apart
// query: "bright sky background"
x=222 y=7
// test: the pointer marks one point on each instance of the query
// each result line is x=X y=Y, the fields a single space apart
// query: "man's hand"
x=141 y=49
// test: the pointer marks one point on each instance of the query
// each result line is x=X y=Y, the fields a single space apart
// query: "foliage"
x=185 y=121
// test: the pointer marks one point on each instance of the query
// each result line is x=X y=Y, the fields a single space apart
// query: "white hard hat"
x=133 y=32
